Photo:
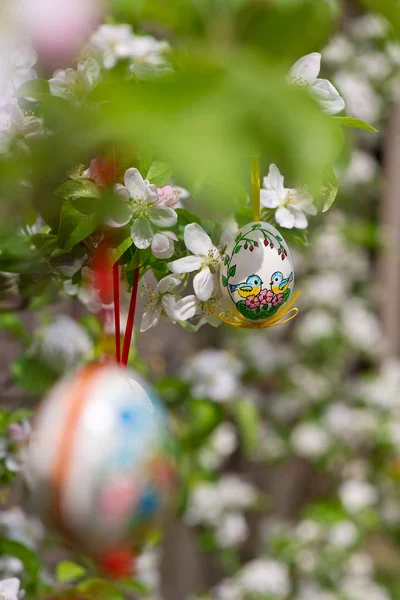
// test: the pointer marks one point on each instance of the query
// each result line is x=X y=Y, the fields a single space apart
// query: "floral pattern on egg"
x=257 y=276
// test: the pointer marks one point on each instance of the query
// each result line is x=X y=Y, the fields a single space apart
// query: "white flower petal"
x=167 y=284
x=300 y=219
x=121 y=215
x=187 y=264
x=135 y=184
x=203 y=284
x=284 y=217
x=162 y=246
x=142 y=233
x=91 y=71
x=269 y=198
x=275 y=180
x=10 y=588
x=171 y=235
x=306 y=70
x=182 y=309
x=328 y=96
x=122 y=191
x=150 y=318
x=196 y=240
x=163 y=216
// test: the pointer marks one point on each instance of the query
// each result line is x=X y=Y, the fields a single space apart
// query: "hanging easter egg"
x=100 y=463
x=257 y=276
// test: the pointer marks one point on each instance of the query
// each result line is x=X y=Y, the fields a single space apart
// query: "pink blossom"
x=252 y=302
x=277 y=300
x=266 y=296
x=58 y=29
x=167 y=196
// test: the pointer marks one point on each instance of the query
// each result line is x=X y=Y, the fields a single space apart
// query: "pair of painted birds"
x=253 y=285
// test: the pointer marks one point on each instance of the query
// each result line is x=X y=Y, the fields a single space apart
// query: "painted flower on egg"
x=258 y=274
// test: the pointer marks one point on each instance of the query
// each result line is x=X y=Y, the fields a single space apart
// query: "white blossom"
x=309 y=440
x=361 y=99
x=163 y=301
x=357 y=495
x=114 y=42
x=205 y=258
x=291 y=205
x=149 y=215
x=338 y=51
x=263 y=576
x=232 y=530
x=304 y=73
x=9 y=589
x=362 y=169
x=214 y=374
x=343 y=534
x=63 y=343
x=360 y=326
x=228 y=589
x=314 y=326
x=75 y=85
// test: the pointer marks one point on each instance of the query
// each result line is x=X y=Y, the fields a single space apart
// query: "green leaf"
x=248 y=420
x=117 y=252
x=354 y=123
x=159 y=173
x=244 y=216
x=300 y=236
x=12 y=323
x=35 y=89
x=75 y=226
x=329 y=190
x=237 y=249
x=31 y=375
x=100 y=589
x=224 y=281
x=68 y=571
x=186 y=217
x=27 y=556
x=135 y=587
x=78 y=188
x=226 y=259
x=232 y=271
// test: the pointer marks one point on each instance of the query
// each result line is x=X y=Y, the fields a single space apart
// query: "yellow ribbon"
x=284 y=314
x=255 y=188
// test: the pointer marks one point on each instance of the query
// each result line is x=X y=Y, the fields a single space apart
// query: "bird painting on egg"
x=258 y=274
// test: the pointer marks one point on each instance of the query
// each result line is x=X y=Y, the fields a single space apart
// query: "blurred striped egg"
x=101 y=466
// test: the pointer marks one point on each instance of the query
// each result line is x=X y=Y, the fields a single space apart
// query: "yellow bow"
x=285 y=313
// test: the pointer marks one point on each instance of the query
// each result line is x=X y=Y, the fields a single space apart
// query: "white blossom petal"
x=9 y=588
x=269 y=198
x=306 y=70
x=284 y=217
x=275 y=180
x=300 y=219
x=150 y=317
x=187 y=264
x=139 y=188
x=162 y=246
x=167 y=284
x=196 y=240
x=203 y=284
x=184 y=308
x=328 y=96
x=163 y=216
x=142 y=233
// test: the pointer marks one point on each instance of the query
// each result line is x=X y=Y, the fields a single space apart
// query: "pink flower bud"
x=168 y=196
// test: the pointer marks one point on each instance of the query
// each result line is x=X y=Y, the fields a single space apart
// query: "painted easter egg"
x=257 y=276
x=100 y=464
